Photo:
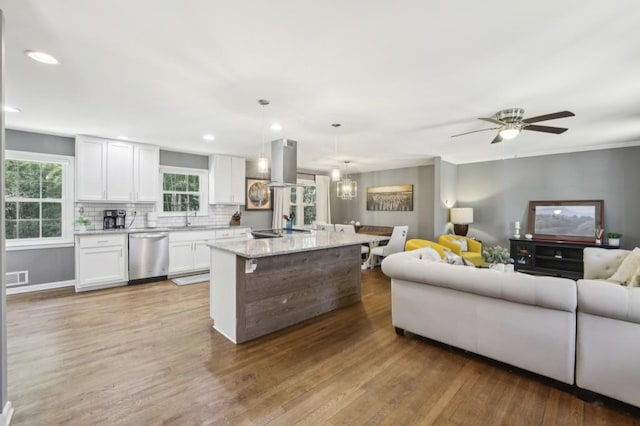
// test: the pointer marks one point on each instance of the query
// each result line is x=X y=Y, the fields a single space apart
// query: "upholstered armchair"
x=462 y=246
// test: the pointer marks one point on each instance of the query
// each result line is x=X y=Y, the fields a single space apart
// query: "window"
x=183 y=190
x=38 y=199
x=303 y=203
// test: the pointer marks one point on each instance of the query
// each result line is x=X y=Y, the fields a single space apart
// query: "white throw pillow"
x=627 y=268
x=429 y=254
x=453 y=259
x=635 y=279
x=462 y=243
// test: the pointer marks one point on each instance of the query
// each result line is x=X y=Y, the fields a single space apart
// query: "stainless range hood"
x=284 y=163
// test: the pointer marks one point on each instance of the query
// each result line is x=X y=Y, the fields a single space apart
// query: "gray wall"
x=499 y=191
x=38 y=142
x=445 y=178
x=420 y=220
x=182 y=159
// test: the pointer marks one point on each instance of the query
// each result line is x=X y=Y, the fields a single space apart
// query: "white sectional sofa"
x=519 y=319
x=608 y=341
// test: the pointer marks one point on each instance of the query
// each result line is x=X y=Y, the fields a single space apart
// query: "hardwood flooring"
x=147 y=355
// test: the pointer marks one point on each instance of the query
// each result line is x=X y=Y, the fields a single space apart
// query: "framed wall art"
x=258 y=195
x=566 y=220
x=391 y=198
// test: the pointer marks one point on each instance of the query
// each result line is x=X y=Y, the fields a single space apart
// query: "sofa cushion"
x=429 y=254
x=549 y=292
x=627 y=268
x=462 y=242
x=602 y=298
x=635 y=279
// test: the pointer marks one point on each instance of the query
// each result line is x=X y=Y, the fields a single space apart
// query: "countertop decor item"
x=613 y=238
x=82 y=223
x=235 y=218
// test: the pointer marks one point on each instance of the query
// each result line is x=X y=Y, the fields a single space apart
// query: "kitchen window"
x=38 y=200
x=183 y=190
x=303 y=202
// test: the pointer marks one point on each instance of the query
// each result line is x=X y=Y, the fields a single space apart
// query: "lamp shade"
x=461 y=215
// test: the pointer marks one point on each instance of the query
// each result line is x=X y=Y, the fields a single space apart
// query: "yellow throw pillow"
x=627 y=268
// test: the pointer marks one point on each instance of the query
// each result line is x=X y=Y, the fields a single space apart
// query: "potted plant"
x=614 y=238
x=82 y=223
x=498 y=258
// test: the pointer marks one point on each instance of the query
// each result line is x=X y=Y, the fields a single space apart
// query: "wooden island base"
x=282 y=290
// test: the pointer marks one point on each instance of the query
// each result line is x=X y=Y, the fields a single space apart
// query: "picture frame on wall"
x=390 y=198
x=258 y=196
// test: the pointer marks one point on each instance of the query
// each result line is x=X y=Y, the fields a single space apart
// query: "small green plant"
x=496 y=254
x=614 y=235
x=82 y=221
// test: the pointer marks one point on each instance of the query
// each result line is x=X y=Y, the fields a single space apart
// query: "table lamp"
x=461 y=217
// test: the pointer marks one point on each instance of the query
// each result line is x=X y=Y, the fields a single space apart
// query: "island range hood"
x=284 y=163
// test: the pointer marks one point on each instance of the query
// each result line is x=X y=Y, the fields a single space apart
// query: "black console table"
x=539 y=257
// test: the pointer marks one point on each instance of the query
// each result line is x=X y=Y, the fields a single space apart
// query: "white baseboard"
x=7 y=413
x=39 y=287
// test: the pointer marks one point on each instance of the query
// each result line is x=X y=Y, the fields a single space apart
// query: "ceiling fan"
x=510 y=123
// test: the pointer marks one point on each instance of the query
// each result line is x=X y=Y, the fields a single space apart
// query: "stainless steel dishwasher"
x=148 y=256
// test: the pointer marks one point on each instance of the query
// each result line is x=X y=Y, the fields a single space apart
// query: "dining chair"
x=395 y=244
x=350 y=229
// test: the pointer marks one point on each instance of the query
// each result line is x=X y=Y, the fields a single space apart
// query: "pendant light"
x=335 y=172
x=347 y=188
x=263 y=163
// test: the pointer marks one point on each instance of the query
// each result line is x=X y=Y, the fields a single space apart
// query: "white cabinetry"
x=91 y=169
x=188 y=251
x=101 y=261
x=116 y=171
x=226 y=179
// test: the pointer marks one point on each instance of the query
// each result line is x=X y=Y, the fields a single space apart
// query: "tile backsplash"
x=219 y=215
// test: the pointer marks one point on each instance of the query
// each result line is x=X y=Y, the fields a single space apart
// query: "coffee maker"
x=114 y=219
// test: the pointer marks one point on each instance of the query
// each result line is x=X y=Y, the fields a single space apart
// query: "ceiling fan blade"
x=545 y=117
x=491 y=120
x=546 y=129
x=497 y=139
x=474 y=131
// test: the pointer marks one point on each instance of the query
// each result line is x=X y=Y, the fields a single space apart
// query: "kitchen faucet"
x=186 y=217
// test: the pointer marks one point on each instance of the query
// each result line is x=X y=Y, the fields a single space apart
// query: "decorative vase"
x=498 y=267
x=614 y=242
x=82 y=228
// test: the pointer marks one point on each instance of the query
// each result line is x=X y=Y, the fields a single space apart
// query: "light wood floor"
x=146 y=354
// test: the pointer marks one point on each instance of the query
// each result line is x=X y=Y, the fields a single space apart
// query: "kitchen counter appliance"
x=114 y=219
x=148 y=257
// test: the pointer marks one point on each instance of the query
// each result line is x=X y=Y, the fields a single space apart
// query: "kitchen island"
x=259 y=286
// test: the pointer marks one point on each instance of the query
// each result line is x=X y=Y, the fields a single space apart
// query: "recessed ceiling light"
x=276 y=127
x=123 y=138
x=43 y=57
x=8 y=108
x=208 y=137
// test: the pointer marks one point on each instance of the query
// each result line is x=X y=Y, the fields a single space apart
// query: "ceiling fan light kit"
x=511 y=123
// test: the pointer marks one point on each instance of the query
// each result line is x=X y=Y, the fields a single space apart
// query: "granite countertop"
x=294 y=243
x=158 y=229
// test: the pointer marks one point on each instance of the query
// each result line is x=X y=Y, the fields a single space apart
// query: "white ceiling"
x=401 y=77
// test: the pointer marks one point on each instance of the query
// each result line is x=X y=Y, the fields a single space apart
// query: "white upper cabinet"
x=91 y=169
x=116 y=171
x=119 y=171
x=146 y=161
x=226 y=179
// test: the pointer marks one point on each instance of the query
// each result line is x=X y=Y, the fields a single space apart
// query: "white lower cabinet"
x=101 y=261
x=188 y=250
